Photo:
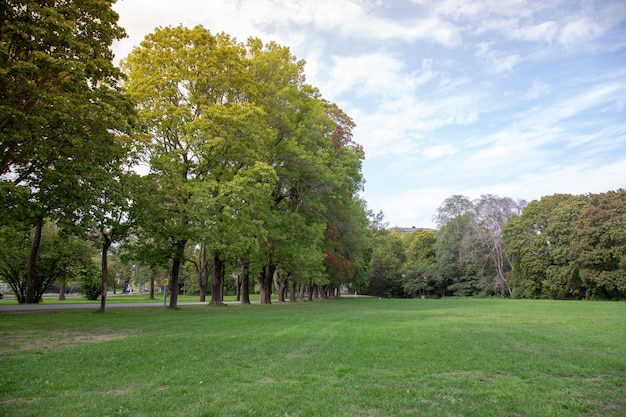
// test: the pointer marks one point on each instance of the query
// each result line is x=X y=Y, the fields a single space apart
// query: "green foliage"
x=388 y=257
x=57 y=79
x=60 y=101
x=91 y=286
x=15 y=243
x=246 y=160
x=471 y=257
x=568 y=246
x=539 y=241
x=454 y=261
x=420 y=267
x=599 y=245
x=62 y=111
x=62 y=258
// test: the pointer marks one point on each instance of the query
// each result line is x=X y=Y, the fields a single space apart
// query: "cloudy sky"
x=518 y=98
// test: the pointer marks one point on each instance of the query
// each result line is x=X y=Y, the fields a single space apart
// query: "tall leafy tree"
x=301 y=152
x=194 y=95
x=455 y=255
x=386 y=268
x=420 y=262
x=345 y=245
x=60 y=104
x=599 y=245
x=539 y=242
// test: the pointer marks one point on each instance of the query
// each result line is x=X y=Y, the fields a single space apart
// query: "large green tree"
x=345 y=238
x=599 y=245
x=539 y=242
x=456 y=256
x=60 y=105
x=196 y=101
x=246 y=160
x=419 y=268
x=318 y=169
x=386 y=265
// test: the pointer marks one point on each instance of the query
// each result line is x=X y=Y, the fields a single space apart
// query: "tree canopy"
x=245 y=158
x=251 y=175
x=61 y=109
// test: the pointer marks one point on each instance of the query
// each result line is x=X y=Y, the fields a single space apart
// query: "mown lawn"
x=346 y=357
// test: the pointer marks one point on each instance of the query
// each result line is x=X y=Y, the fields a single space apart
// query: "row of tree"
x=560 y=246
x=243 y=164
x=245 y=171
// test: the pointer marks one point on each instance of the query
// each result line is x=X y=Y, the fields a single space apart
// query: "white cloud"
x=437 y=151
x=371 y=74
x=573 y=179
x=537 y=90
x=460 y=10
x=497 y=62
x=412 y=206
x=543 y=32
x=574 y=105
x=398 y=127
x=580 y=31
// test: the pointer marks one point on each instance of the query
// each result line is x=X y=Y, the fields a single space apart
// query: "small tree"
x=62 y=258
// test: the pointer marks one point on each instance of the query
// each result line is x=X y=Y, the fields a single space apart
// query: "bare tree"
x=492 y=214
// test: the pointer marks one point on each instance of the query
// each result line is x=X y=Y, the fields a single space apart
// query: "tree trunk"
x=245 y=281
x=202 y=290
x=204 y=271
x=62 y=291
x=174 y=283
x=31 y=281
x=302 y=289
x=178 y=260
x=281 y=293
x=281 y=287
x=217 y=287
x=323 y=292
x=205 y=279
x=292 y=291
x=152 y=279
x=311 y=288
x=105 y=273
x=267 y=276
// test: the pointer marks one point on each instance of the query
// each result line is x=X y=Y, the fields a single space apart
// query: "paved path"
x=51 y=307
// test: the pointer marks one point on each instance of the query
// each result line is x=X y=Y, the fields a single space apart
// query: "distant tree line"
x=561 y=246
x=212 y=164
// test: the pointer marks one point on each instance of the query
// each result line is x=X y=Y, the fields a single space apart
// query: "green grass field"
x=346 y=357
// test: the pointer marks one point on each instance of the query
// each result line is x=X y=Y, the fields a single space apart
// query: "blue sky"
x=518 y=98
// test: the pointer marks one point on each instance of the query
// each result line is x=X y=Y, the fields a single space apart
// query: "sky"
x=516 y=98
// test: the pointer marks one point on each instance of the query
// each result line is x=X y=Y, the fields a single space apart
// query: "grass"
x=347 y=357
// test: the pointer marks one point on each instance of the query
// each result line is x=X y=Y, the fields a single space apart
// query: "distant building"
x=411 y=229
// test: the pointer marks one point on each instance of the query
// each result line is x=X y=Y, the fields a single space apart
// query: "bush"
x=92 y=286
